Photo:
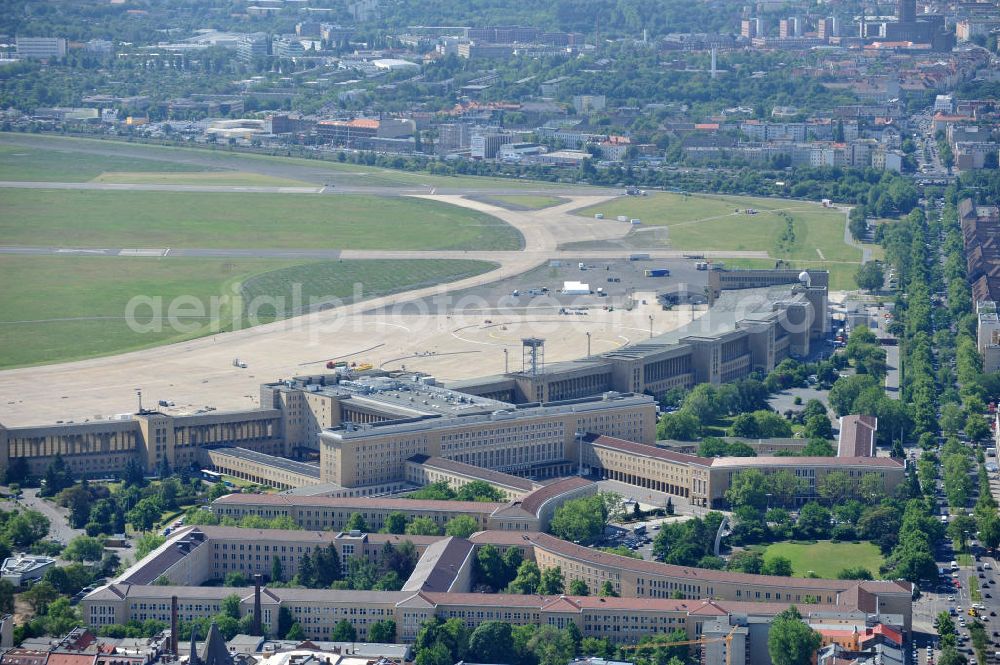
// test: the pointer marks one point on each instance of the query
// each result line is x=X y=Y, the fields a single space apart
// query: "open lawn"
x=203 y=178
x=826 y=558
x=89 y=156
x=59 y=308
x=804 y=233
x=46 y=165
x=71 y=218
x=348 y=281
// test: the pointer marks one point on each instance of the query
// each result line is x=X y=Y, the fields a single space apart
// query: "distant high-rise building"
x=486 y=141
x=748 y=28
x=253 y=46
x=790 y=27
x=828 y=27
x=453 y=137
x=287 y=47
x=40 y=48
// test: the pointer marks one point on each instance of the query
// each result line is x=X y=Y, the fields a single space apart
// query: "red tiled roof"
x=72 y=658
x=857 y=436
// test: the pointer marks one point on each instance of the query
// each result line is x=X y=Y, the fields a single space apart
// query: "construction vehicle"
x=728 y=639
x=335 y=364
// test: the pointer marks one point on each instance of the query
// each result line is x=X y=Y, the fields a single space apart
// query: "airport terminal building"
x=527 y=423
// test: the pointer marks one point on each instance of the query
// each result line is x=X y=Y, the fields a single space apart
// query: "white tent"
x=575 y=289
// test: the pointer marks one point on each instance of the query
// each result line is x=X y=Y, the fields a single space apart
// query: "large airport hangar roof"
x=283 y=463
x=731 y=308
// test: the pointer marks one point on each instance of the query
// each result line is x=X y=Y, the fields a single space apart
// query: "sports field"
x=826 y=558
x=74 y=218
x=58 y=308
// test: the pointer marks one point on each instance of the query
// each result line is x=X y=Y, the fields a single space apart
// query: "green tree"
x=461 y=526
x=681 y=426
x=490 y=568
x=235 y=579
x=527 y=580
x=285 y=622
x=790 y=641
x=581 y=520
x=344 y=632
x=146 y=543
x=855 y=573
x=748 y=488
x=818 y=448
x=145 y=514
x=813 y=522
x=976 y=428
x=439 y=491
x=295 y=633
x=382 y=632
x=395 y=523
x=870 y=276
x=356 y=523
x=436 y=654
x=578 y=587
x=26 y=528
x=551 y=646
x=607 y=590
x=479 y=490
x=84 y=548
x=57 y=477
x=746 y=561
x=835 y=487
x=307 y=572
x=777 y=565
x=7 y=591
x=492 y=642
x=423 y=526
x=277 y=572
x=39 y=596
x=552 y=581
x=818 y=427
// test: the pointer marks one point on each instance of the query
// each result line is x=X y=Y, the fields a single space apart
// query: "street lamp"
x=588 y=343
x=651 y=326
